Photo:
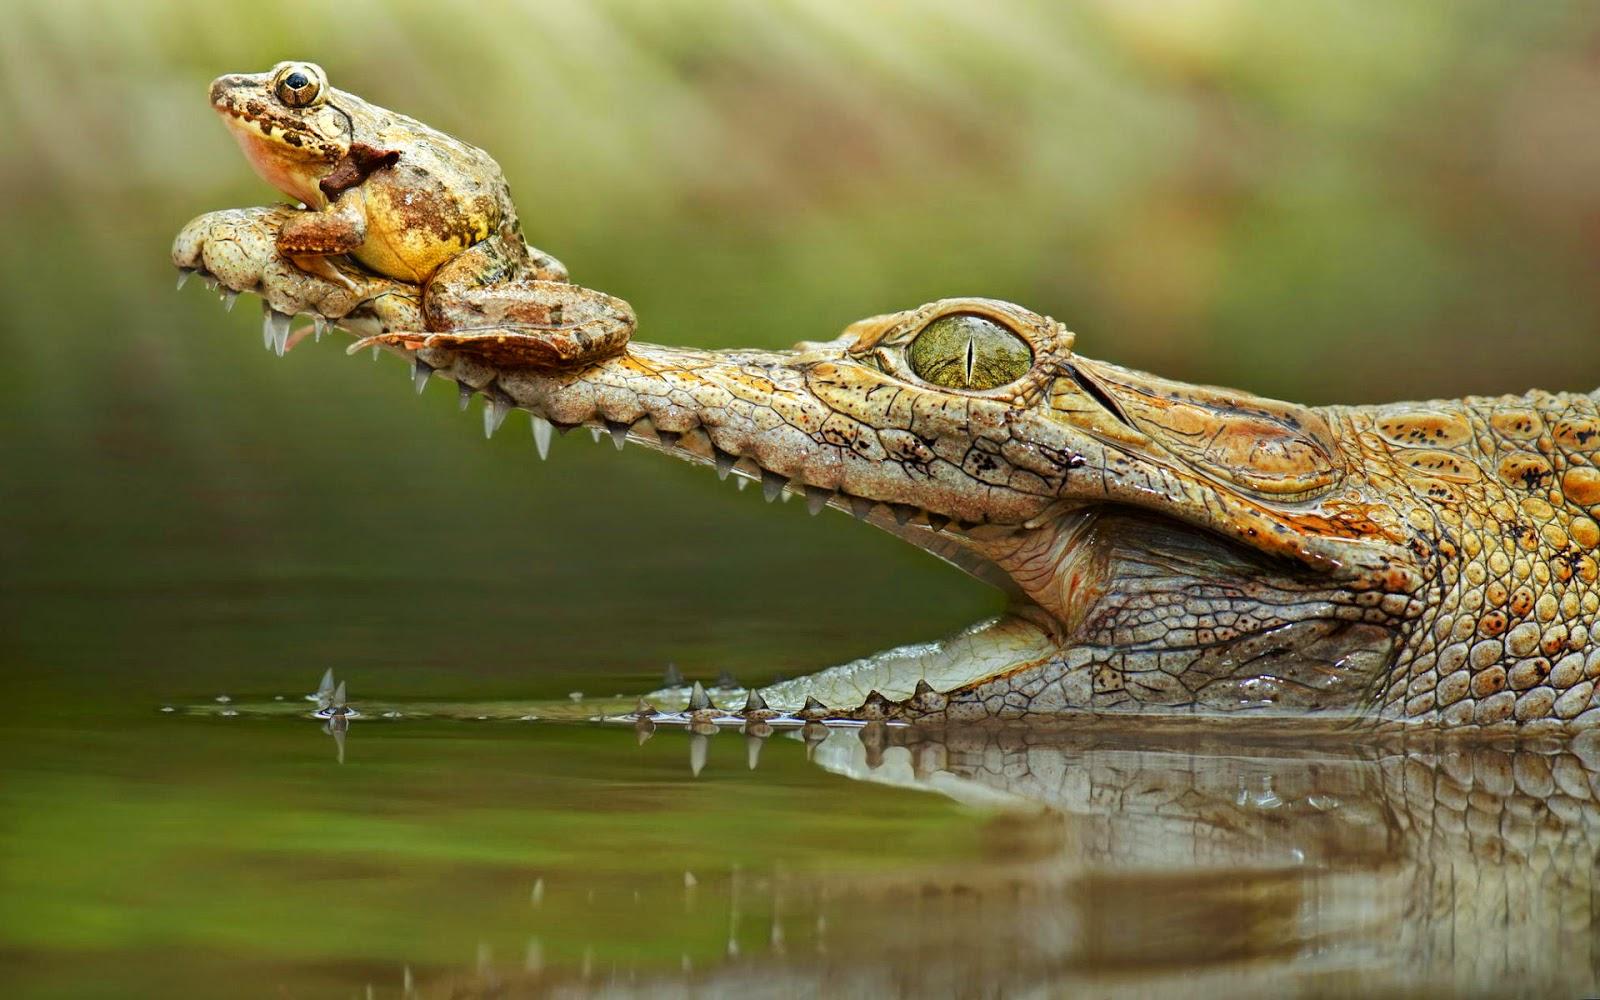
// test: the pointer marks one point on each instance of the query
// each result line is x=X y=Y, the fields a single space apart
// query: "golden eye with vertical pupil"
x=299 y=85
x=967 y=351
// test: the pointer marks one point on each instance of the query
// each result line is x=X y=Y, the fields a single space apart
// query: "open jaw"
x=1135 y=584
x=1166 y=549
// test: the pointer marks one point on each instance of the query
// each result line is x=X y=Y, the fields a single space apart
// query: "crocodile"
x=1167 y=549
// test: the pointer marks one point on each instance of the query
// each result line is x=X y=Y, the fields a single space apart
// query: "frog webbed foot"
x=238 y=248
x=526 y=324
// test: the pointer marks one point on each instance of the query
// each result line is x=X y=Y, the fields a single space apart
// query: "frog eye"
x=299 y=85
x=967 y=351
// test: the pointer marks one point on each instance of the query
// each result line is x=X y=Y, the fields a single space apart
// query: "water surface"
x=207 y=853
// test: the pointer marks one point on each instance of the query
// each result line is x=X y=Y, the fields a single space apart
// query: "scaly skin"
x=1169 y=549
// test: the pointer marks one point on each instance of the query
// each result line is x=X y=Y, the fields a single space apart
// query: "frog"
x=389 y=205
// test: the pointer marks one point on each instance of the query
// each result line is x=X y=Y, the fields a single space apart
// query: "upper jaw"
x=814 y=421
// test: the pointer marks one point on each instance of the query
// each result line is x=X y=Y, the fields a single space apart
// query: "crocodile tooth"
x=752 y=749
x=210 y=281
x=319 y=326
x=340 y=700
x=541 y=436
x=860 y=507
x=772 y=484
x=420 y=370
x=926 y=699
x=643 y=730
x=494 y=414
x=667 y=438
x=699 y=701
x=937 y=521
x=463 y=395
x=724 y=462
x=594 y=432
x=726 y=681
x=875 y=706
x=183 y=276
x=674 y=677
x=644 y=710
x=275 y=330
x=741 y=482
x=698 y=745
x=753 y=702
x=229 y=297
x=903 y=513
x=816 y=499
x=375 y=350
x=619 y=432
x=813 y=708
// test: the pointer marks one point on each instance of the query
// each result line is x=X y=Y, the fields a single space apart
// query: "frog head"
x=295 y=130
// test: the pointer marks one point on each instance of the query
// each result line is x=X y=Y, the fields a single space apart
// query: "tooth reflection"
x=699 y=746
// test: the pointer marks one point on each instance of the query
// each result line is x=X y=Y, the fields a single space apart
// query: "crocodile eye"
x=966 y=351
x=299 y=85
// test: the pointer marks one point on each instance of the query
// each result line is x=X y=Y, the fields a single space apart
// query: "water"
x=239 y=849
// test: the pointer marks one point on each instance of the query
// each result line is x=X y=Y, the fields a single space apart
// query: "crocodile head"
x=1165 y=547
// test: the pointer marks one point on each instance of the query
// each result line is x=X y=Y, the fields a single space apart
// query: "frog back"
x=438 y=199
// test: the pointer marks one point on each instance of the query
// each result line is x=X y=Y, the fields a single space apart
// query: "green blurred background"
x=1325 y=201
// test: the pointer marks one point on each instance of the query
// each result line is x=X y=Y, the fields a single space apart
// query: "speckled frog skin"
x=1169 y=550
x=409 y=203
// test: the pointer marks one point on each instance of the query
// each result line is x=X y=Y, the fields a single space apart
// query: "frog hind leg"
x=504 y=307
x=566 y=331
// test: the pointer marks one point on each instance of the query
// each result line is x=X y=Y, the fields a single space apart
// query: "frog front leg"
x=310 y=238
x=515 y=309
x=239 y=249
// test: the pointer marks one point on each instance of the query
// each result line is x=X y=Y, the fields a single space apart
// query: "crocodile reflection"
x=1204 y=863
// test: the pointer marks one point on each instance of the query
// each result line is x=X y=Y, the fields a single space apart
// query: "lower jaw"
x=896 y=676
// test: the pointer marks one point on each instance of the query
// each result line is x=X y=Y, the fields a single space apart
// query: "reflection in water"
x=1202 y=862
